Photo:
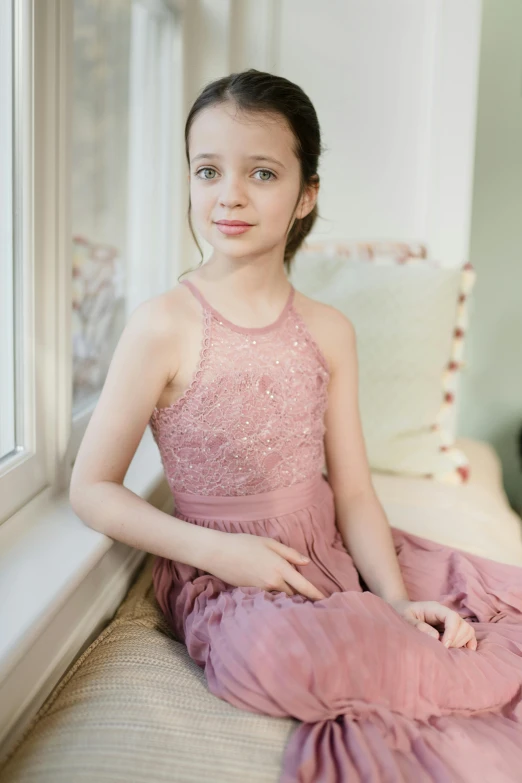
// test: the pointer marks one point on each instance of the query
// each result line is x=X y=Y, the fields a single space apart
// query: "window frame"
x=7 y=356
x=26 y=471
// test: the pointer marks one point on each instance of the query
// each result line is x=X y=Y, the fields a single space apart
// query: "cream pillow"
x=410 y=316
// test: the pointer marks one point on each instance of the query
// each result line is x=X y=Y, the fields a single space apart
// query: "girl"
x=250 y=387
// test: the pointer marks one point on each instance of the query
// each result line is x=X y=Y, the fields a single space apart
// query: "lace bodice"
x=252 y=419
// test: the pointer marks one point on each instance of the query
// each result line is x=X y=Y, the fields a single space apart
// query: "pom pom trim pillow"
x=410 y=315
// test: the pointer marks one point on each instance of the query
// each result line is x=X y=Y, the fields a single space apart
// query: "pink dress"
x=377 y=700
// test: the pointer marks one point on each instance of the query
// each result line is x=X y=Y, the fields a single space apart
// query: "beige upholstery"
x=135 y=708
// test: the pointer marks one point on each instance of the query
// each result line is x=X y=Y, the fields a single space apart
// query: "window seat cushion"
x=135 y=708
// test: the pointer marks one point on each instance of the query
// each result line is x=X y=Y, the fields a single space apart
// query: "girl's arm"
x=140 y=368
x=360 y=516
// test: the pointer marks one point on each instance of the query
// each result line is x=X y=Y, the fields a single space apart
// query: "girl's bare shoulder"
x=164 y=318
x=328 y=325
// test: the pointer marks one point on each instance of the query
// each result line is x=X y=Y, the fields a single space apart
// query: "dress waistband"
x=264 y=505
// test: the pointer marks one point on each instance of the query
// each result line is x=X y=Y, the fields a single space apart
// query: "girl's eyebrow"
x=251 y=157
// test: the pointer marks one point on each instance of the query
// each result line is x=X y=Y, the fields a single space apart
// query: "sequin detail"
x=252 y=418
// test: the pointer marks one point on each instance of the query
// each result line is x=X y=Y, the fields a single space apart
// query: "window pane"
x=126 y=123
x=99 y=188
x=7 y=293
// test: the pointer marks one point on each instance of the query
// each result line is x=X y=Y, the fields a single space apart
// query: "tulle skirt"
x=377 y=699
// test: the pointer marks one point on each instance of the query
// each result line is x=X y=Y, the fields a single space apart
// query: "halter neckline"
x=246 y=329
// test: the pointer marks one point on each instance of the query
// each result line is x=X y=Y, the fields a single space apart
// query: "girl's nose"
x=232 y=192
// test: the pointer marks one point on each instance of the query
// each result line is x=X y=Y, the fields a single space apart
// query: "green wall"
x=491 y=386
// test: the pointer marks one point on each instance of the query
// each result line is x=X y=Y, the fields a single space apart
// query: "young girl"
x=250 y=388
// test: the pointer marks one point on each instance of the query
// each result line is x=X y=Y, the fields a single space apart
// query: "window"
x=91 y=151
x=125 y=117
x=100 y=181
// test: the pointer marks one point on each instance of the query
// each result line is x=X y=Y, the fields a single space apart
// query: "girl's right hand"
x=247 y=560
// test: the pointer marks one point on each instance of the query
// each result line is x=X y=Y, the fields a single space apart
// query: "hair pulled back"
x=257 y=91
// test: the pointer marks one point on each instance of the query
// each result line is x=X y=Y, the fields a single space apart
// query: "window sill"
x=61 y=583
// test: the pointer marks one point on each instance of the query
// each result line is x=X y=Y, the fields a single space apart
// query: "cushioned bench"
x=135 y=708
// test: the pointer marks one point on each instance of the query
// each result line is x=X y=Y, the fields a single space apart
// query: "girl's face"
x=243 y=167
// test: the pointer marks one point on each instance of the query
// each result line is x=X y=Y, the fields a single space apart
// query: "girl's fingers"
x=457 y=631
x=461 y=638
x=298 y=582
x=451 y=628
x=465 y=634
x=438 y=614
x=425 y=628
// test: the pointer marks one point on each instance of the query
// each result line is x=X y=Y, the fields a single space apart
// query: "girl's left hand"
x=426 y=614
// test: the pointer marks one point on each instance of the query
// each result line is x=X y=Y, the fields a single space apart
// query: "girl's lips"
x=232 y=229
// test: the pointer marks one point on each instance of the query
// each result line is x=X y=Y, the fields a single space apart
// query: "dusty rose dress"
x=378 y=700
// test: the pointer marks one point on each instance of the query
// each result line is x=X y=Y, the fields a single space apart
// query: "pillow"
x=410 y=316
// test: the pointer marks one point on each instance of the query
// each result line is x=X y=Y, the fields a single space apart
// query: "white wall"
x=394 y=85
x=206 y=56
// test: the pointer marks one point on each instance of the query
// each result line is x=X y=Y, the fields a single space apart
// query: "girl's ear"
x=308 y=199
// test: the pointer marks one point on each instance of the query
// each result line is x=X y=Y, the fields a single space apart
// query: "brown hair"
x=258 y=91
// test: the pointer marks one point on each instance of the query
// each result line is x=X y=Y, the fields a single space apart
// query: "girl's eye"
x=265 y=171
x=259 y=171
x=205 y=169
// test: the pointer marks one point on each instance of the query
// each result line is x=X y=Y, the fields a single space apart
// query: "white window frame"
x=7 y=361
x=26 y=471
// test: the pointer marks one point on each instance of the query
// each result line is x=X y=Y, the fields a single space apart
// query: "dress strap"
x=246 y=329
x=197 y=293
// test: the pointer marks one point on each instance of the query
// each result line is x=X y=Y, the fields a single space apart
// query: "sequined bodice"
x=252 y=419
